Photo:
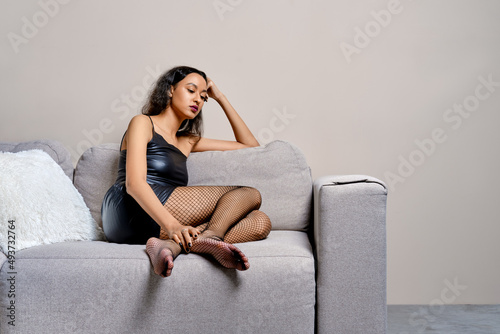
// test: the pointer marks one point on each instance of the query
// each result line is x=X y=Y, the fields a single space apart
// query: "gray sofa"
x=321 y=270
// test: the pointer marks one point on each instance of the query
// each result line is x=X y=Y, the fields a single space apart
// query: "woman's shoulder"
x=140 y=119
x=139 y=127
x=141 y=123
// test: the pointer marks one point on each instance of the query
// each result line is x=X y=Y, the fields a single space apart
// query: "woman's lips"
x=194 y=108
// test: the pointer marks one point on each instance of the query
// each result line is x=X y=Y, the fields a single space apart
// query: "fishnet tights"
x=228 y=212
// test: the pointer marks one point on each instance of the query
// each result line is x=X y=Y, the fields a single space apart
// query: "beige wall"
x=371 y=87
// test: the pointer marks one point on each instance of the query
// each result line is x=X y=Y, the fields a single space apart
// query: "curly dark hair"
x=159 y=99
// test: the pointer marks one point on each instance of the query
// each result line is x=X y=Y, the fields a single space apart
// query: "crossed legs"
x=223 y=214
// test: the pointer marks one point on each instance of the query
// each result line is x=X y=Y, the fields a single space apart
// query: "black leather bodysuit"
x=123 y=219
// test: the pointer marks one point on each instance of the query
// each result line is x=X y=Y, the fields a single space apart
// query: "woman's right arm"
x=138 y=135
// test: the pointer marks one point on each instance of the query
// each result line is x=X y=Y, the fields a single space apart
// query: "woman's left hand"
x=213 y=91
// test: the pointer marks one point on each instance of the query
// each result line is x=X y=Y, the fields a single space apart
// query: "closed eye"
x=204 y=98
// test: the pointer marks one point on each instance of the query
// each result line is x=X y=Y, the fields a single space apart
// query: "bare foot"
x=226 y=254
x=162 y=254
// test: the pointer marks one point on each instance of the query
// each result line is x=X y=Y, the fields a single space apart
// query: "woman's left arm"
x=243 y=135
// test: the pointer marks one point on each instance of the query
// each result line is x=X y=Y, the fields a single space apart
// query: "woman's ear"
x=171 y=92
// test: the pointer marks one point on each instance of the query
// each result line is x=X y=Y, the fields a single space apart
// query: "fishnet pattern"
x=255 y=226
x=226 y=254
x=194 y=205
x=218 y=208
x=162 y=254
x=232 y=207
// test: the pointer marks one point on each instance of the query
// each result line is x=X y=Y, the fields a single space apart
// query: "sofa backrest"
x=54 y=148
x=278 y=170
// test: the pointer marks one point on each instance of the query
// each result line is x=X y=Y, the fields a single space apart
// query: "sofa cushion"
x=278 y=170
x=95 y=172
x=40 y=203
x=111 y=288
x=54 y=148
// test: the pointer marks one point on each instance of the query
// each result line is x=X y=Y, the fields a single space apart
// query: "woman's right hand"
x=183 y=235
x=213 y=91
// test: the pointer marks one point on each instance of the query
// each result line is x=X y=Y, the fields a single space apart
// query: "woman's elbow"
x=129 y=188
x=253 y=143
x=132 y=187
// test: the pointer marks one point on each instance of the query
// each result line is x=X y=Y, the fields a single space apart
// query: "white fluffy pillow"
x=41 y=201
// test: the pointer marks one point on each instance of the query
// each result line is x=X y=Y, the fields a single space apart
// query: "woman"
x=150 y=201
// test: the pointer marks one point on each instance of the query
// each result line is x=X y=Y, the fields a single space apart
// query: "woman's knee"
x=262 y=223
x=253 y=195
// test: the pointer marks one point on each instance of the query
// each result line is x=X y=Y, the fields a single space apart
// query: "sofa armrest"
x=350 y=245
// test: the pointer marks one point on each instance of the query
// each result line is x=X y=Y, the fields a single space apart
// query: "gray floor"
x=449 y=319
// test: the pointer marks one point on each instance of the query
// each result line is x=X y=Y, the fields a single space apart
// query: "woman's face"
x=189 y=95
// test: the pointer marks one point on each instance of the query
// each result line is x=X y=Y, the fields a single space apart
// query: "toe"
x=169 y=266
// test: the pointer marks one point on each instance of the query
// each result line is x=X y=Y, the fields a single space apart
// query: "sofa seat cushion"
x=113 y=285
